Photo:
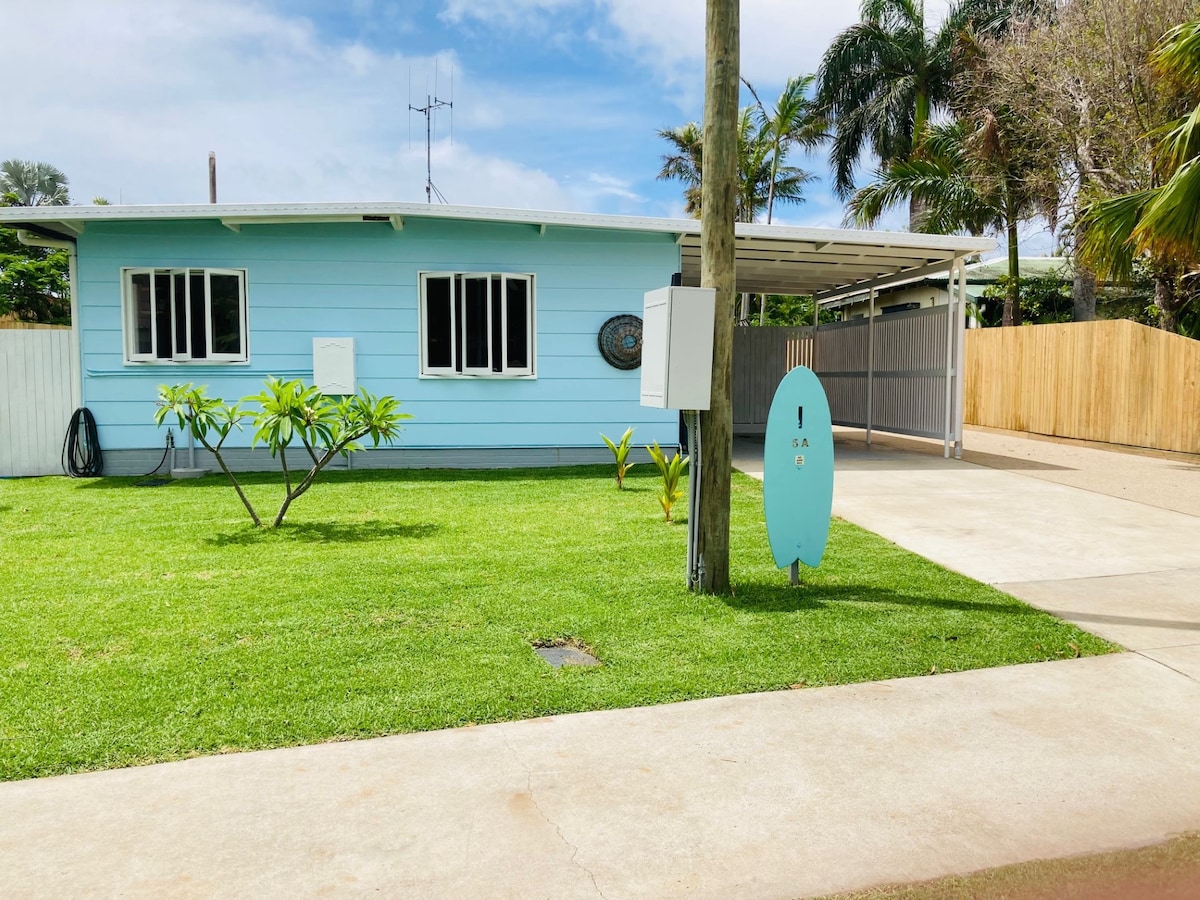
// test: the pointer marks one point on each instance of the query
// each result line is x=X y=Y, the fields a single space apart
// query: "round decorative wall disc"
x=620 y=341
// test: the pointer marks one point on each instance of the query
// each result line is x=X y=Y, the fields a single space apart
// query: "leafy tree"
x=791 y=311
x=1160 y=223
x=33 y=280
x=289 y=411
x=885 y=79
x=1089 y=100
x=33 y=183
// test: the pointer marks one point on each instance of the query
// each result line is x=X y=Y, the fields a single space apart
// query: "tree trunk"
x=1012 y=296
x=916 y=211
x=1083 y=295
x=718 y=212
x=1166 y=301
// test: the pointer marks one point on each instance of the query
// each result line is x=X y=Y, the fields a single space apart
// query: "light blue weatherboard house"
x=483 y=322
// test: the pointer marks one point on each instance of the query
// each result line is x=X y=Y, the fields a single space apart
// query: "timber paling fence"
x=1117 y=382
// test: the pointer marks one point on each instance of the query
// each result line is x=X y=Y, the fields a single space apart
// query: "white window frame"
x=129 y=316
x=458 y=367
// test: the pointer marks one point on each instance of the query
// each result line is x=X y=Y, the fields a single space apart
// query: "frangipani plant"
x=290 y=410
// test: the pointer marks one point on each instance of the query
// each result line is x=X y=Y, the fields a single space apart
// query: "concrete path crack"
x=1186 y=675
x=557 y=828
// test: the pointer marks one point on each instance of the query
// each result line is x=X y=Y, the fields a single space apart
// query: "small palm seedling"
x=621 y=453
x=672 y=471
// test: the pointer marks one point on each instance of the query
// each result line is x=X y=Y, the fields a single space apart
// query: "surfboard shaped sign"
x=798 y=470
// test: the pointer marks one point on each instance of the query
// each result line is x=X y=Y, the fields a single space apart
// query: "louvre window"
x=185 y=315
x=476 y=324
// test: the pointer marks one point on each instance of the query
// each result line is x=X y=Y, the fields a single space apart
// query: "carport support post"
x=870 y=359
x=950 y=322
x=960 y=382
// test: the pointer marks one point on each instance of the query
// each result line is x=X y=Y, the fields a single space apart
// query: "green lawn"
x=151 y=623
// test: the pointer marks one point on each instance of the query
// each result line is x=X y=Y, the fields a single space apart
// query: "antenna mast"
x=432 y=104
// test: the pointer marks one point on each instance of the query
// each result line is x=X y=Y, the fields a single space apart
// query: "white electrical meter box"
x=677 y=347
x=333 y=365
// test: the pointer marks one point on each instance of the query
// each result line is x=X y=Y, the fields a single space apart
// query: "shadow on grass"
x=327 y=533
x=783 y=597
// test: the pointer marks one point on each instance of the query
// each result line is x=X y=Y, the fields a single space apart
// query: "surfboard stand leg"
x=794 y=572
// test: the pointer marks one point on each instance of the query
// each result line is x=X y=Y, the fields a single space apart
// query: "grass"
x=140 y=624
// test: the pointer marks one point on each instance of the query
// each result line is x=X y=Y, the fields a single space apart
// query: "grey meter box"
x=677 y=347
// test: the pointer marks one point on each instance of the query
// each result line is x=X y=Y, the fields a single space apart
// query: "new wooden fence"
x=1113 y=381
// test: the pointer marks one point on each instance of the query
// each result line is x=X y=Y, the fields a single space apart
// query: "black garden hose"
x=81 y=456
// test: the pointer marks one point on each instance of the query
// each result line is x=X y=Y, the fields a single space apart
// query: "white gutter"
x=32 y=240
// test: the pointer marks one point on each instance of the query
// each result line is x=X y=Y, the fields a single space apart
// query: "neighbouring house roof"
x=980 y=276
x=775 y=259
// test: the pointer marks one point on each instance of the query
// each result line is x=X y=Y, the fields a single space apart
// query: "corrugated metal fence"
x=38 y=373
x=897 y=378
x=761 y=357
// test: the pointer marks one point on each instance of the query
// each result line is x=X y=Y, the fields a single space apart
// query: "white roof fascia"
x=287 y=212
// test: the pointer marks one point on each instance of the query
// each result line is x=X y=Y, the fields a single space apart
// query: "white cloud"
x=137 y=95
x=779 y=39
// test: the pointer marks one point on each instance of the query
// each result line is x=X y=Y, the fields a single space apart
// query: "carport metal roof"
x=771 y=259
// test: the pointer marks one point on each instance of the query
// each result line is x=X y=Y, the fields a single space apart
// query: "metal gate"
x=39 y=380
x=898 y=372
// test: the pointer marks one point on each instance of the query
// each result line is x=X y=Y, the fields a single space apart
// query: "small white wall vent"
x=677 y=347
x=333 y=365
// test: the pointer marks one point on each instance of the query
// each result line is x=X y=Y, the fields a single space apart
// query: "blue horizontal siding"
x=360 y=281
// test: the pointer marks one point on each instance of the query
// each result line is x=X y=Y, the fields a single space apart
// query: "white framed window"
x=477 y=324
x=184 y=315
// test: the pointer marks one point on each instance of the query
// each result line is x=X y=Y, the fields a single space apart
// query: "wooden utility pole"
x=718 y=211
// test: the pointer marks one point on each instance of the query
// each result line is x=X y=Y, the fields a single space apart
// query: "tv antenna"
x=432 y=104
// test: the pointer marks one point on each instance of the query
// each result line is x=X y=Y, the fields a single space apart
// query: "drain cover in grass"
x=559 y=655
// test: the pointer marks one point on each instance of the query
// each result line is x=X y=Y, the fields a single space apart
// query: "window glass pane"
x=162 y=314
x=438 y=345
x=179 y=308
x=199 y=326
x=143 y=318
x=476 y=337
x=497 y=325
x=226 y=311
x=517 y=349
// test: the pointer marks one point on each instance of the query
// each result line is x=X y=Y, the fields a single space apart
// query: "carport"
x=900 y=374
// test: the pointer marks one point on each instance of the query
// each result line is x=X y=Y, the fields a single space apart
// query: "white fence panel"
x=37 y=375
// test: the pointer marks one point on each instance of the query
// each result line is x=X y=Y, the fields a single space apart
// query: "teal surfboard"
x=798 y=470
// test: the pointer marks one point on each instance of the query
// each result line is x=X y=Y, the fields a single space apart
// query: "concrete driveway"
x=785 y=794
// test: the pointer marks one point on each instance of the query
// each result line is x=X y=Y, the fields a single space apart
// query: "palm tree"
x=33 y=183
x=882 y=80
x=764 y=142
x=1160 y=224
x=971 y=176
x=794 y=122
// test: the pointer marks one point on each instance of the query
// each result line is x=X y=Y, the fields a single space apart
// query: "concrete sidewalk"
x=771 y=795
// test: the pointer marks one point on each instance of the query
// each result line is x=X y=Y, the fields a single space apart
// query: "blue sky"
x=556 y=102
